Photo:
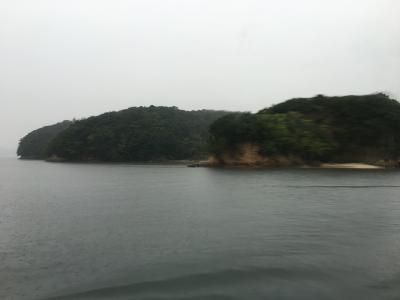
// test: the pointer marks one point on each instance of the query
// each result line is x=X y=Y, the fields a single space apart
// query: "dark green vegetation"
x=323 y=129
x=298 y=131
x=34 y=145
x=288 y=134
x=136 y=134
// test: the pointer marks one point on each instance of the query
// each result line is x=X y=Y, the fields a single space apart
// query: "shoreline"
x=208 y=164
x=356 y=166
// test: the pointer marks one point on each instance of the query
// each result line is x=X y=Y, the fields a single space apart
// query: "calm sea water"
x=98 y=231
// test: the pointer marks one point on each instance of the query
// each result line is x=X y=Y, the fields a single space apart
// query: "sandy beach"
x=349 y=166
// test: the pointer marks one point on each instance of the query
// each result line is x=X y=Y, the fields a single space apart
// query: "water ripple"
x=195 y=282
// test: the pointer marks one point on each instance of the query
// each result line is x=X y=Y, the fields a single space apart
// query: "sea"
x=148 y=231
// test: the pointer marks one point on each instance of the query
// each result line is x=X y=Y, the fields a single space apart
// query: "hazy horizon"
x=72 y=59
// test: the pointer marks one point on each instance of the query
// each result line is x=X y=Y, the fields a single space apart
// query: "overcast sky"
x=64 y=59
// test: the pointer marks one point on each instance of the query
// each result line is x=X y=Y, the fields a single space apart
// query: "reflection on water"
x=115 y=231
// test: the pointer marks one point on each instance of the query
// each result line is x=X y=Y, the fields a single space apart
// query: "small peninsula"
x=311 y=132
x=317 y=131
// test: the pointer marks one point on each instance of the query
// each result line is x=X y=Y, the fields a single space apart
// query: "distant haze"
x=61 y=59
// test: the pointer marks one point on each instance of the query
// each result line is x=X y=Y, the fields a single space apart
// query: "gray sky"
x=61 y=59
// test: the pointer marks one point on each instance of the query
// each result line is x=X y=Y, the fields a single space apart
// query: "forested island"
x=137 y=134
x=297 y=132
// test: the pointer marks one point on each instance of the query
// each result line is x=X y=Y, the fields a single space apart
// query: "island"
x=137 y=134
x=306 y=132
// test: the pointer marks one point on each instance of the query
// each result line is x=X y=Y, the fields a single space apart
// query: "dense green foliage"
x=274 y=134
x=337 y=129
x=34 y=145
x=361 y=126
x=137 y=134
x=342 y=129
